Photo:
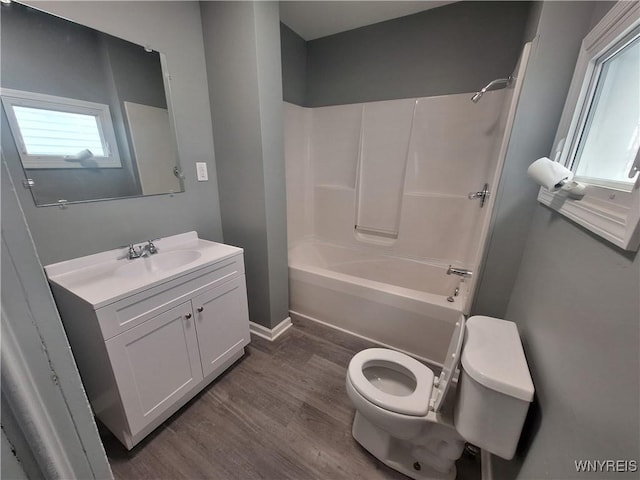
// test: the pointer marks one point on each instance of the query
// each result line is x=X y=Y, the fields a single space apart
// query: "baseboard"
x=485 y=465
x=270 y=333
x=428 y=361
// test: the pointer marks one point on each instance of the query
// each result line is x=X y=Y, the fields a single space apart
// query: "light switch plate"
x=201 y=169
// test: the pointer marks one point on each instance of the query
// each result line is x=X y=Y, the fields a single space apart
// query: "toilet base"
x=393 y=452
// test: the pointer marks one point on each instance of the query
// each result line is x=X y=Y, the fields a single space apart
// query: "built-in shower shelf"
x=336 y=187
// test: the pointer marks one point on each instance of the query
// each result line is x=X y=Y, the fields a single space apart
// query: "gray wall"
x=137 y=74
x=451 y=49
x=242 y=45
x=294 y=66
x=558 y=35
x=573 y=296
x=576 y=305
x=173 y=28
x=46 y=54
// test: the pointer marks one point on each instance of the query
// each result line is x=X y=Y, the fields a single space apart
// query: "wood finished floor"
x=281 y=412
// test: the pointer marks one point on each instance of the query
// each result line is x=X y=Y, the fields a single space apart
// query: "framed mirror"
x=85 y=113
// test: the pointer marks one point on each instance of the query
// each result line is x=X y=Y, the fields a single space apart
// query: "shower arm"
x=492 y=85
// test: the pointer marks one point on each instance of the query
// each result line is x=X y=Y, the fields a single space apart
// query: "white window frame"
x=606 y=211
x=11 y=98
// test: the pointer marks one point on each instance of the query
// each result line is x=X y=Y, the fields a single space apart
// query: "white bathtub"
x=397 y=302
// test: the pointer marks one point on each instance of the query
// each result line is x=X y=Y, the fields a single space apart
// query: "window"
x=57 y=132
x=599 y=133
x=607 y=149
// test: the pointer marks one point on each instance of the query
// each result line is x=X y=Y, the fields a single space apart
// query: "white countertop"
x=106 y=277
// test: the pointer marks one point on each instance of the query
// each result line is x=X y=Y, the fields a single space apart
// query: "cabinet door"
x=155 y=364
x=222 y=322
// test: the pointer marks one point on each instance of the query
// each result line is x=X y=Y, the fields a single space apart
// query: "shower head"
x=476 y=96
x=492 y=85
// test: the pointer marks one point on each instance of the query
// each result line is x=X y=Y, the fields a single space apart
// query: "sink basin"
x=106 y=277
x=170 y=260
x=157 y=263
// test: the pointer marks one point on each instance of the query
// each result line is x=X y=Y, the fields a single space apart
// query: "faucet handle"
x=126 y=255
x=151 y=247
x=133 y=253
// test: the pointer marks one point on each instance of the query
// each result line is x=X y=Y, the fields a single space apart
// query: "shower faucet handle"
x=483 y=195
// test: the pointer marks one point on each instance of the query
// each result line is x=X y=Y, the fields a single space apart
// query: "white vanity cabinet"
x=155 y=365
x=143 y=355
x=222 y=323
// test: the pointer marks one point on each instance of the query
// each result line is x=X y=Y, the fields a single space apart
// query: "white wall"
x=404 y=164
x=299 y=175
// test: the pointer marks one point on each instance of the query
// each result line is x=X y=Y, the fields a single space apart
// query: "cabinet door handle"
x=200 y=309
x=187 y=316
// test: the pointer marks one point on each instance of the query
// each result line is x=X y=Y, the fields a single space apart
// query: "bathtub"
x=397 y=302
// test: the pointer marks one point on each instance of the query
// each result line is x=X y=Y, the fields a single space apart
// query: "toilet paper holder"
x=574 y=189
x=555 y=177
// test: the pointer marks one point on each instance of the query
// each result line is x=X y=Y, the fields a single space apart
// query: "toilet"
x=406 y=418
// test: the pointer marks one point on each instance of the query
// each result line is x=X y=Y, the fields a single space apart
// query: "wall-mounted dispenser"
x=553 y=176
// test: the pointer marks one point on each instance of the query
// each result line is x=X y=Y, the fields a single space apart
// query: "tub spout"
x=462 y=272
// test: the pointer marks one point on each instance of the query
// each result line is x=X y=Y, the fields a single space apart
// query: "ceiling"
x=312 y=19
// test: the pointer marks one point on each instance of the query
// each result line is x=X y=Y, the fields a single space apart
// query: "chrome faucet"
x=133 y=253
x=462 y=272
x=143 y=251
x=151 y=248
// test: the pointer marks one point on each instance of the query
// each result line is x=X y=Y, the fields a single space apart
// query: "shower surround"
x=378 y=207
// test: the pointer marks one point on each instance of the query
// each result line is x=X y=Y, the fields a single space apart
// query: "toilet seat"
x=415 y=404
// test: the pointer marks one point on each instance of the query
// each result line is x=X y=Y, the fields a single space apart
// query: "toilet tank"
x=494 y=388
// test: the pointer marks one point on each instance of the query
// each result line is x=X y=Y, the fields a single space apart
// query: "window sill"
x=35 y=162
x=615 y=222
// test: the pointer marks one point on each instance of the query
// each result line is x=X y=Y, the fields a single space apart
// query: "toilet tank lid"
x=493 y=356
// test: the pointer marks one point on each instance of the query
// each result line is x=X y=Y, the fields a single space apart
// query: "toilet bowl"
x=399 y=401
x=389 y=388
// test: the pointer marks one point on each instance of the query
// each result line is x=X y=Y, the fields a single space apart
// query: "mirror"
x=86 y=114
